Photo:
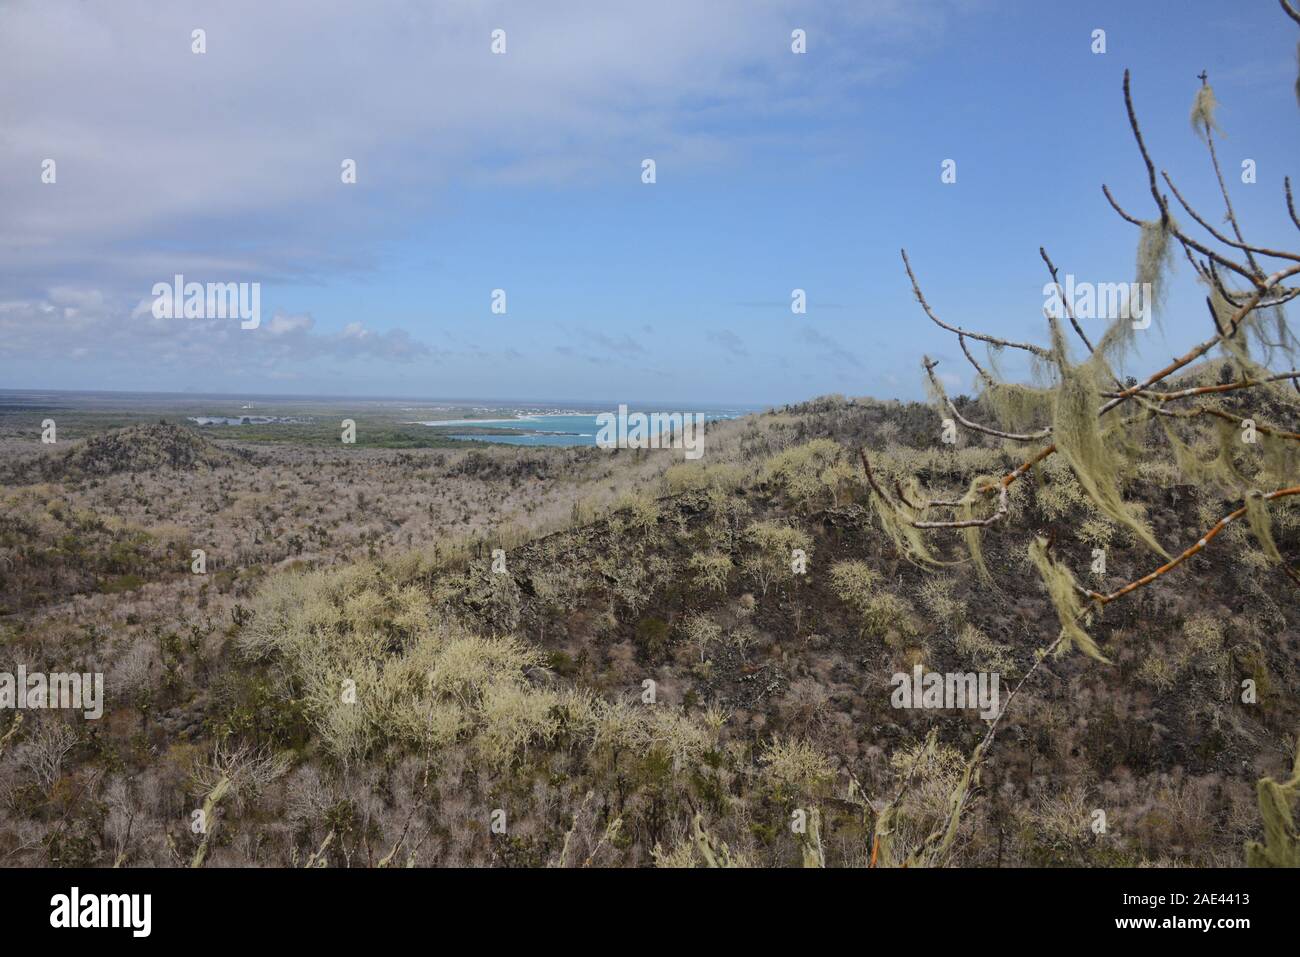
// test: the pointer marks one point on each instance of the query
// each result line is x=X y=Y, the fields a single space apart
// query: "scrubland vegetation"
x=373 y=697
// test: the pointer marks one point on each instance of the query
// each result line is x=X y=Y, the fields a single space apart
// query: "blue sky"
x=522 y=172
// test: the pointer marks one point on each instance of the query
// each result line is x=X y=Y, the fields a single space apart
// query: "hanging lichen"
x=1261 y=526
x=1063 y=592
x=932 y=850
x=1193 y=469
x=1225 y=467
x=1281 y=343
x=967 y=512
x=1268 y=329
x=896 y=523
x=1281 y=847
x=1076 y=429
x=935 y=394
x=1018 y=408
x=1237 y=345
x=1155 y=259
x=913 y=492
x=1129 y=440
x=1281 y=460
x=1203 y=109
x=936 y=846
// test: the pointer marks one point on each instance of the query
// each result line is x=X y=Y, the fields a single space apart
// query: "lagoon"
x=569 y=429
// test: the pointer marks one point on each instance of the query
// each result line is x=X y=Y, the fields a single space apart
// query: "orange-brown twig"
x=1204 y=540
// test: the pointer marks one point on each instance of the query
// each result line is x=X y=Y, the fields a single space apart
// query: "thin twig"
x=1204 y=540
x=982 y=337
x=975 y=426
x=1228 y=241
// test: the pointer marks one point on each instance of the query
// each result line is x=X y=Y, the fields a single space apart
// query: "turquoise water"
x=547 y=429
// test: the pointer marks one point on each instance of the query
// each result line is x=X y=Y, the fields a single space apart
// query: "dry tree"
x=1081 y=409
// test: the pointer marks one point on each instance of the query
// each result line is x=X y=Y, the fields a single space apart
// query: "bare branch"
x=999 y=515
x=1227 y=241
x=1204 y=540
x=1161 y=202
x=1223 y=187
x=1214 y=389
x=1228 y=417
x=871 y=478
x=975 y=426
x=1069 y=311
x=982 y=337
x=1197 y=351
x=988 y=379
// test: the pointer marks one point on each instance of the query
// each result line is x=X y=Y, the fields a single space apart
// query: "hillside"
x=138 y=449
x=641 y=676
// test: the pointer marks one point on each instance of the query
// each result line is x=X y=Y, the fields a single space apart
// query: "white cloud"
x=225 y=166
x=61 y=325
x=227 y=163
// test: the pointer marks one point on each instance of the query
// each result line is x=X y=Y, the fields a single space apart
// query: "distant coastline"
x=409 y=404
